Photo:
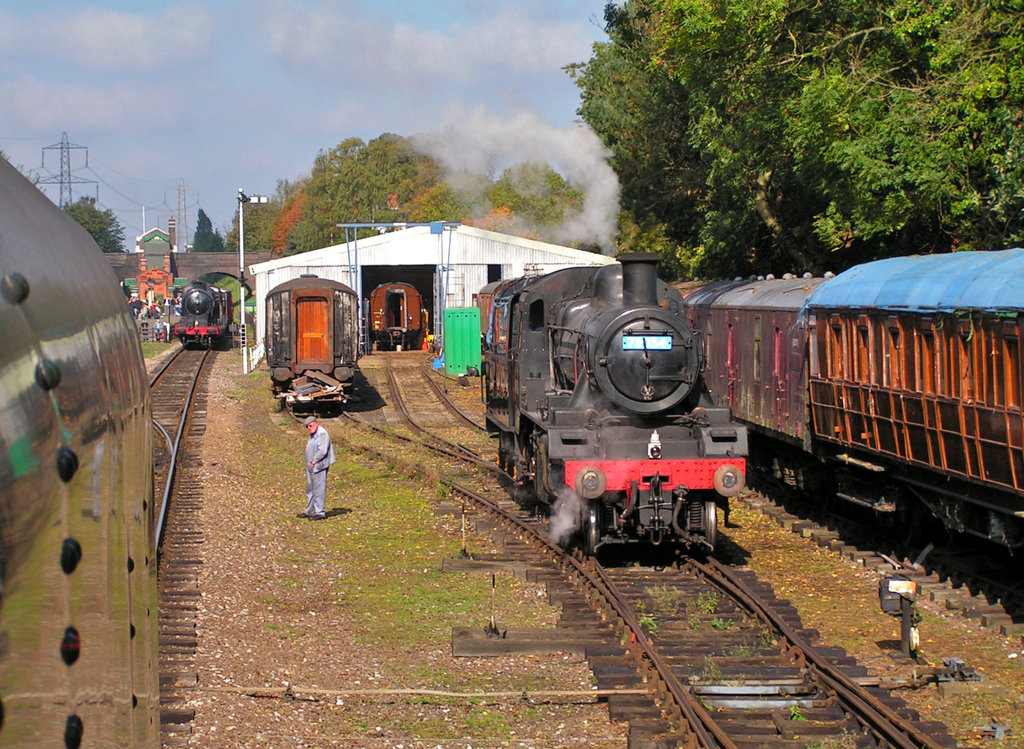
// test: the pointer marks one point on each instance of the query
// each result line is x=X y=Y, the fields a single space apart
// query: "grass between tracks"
x=384 y=609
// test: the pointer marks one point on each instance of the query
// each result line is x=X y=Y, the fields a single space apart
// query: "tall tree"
x=794 y=136
x=206 y=238
x=103 y=226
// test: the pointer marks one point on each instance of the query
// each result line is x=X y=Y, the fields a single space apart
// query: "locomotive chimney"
x=639 y=279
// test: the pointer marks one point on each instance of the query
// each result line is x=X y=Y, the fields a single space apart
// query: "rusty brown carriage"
x=312 y=340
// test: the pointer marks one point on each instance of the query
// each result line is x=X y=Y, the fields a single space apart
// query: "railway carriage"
x=398 y=319
x=312 y=333
x=594 y=389
x=78 y=610
x=896 y=385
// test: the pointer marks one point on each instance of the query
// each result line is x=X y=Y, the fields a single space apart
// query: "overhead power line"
x=65 y=179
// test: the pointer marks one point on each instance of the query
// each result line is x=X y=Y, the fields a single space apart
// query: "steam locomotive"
x=896 y=386
x=207 y=316
x=593 y=386
x=78 y=601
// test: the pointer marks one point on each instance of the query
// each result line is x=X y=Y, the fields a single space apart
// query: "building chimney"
x=172 y=233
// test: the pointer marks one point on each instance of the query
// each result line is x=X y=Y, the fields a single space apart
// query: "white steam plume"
x=564 y=519
x=478 y=143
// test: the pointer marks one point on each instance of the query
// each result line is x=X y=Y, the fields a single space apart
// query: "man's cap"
x=309 y=420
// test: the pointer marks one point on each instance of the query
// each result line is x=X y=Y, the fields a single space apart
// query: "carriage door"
x=312 y=340
x=394 y=310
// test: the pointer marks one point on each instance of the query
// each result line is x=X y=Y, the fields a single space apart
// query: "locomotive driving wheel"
x=711 y=523
x=591 y=527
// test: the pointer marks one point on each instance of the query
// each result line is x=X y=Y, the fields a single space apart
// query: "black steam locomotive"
x=207 y=316
x=594 y=388
x=77 y=563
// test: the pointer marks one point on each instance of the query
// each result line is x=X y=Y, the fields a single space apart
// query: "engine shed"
x=446 y=263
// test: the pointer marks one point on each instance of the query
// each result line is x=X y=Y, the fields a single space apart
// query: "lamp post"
x=242 y=200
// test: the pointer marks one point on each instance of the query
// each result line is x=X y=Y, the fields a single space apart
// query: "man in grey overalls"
x=319 y=457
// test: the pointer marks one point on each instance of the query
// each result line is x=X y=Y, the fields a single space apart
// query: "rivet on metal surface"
x=73 y=732
x=70 y=555
x=47 y=374
x=70 y=646
x=14 y=288
x=67 y=463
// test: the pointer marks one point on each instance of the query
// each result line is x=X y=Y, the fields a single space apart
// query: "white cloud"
x=34 y=105
x=99 y=39
x=337 y=42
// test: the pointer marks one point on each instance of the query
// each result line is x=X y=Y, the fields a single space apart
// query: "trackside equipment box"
x=461 y=339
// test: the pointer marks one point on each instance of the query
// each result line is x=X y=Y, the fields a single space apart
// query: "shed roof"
x=417 y=246
x=960 y=280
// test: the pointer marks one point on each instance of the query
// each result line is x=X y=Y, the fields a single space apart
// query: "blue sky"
x=222 y=95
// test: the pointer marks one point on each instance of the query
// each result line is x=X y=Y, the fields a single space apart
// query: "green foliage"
x=770 y=137
x=103 y=226
x=206 y=239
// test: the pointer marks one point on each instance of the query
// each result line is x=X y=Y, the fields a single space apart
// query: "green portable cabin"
x=461 y=339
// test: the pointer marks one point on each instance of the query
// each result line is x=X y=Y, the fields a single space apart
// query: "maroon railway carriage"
x=398 y=319
x=755 y=342
x=897 y=386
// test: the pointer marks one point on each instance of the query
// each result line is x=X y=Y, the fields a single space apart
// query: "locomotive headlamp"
x=591 y=483
x=729 y=480
x=654 y=445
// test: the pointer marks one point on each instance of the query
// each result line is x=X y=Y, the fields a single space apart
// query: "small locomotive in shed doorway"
x=312 y=340
x=594 y=389
x=398 y=319
x=207 y=317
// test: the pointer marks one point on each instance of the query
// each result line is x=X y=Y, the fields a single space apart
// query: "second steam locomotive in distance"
x=207 y=316
x=594 y=388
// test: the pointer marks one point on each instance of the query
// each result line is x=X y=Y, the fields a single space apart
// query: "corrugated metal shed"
x=959 y=280
x=466 y=253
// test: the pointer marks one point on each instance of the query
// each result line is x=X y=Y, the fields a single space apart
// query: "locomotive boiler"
x=594 y=389
x=206 y=316
x=78 y=601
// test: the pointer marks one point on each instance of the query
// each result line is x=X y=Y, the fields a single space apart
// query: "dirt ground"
x=307 y=631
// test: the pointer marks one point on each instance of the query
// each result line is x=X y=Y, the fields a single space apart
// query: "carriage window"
x=777 y=355
x=757 y=349
x=536 y=321
x=925 y=369
x=1011 y=371
x=728 y=346
x=835 y=351
x=964 y=385
x=861 y=355
x=891 y=375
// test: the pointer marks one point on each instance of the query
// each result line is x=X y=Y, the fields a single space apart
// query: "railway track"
x=179 y=410
x=690 y=652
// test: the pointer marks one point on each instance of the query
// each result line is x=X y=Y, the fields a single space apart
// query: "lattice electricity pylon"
x=65 y=178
